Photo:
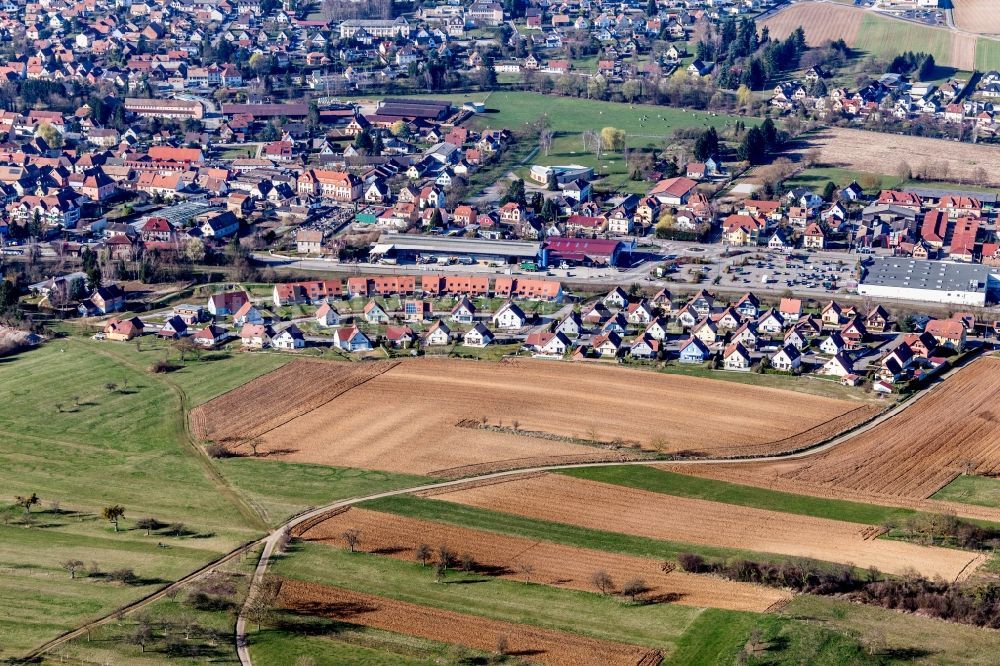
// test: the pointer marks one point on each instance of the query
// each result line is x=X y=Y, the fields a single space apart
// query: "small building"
x=786 y=359
x=694 y=351
x=210 y=336
x=290 y=338
x=736 y=357
x=123 y=330
x=478 y=336
x=438 y=334
x=351 y=339
x=509 y=317
x=327 y=316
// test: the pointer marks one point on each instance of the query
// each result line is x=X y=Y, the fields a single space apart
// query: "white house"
x=290 y=338
x=509 y=317
x=327 y=315
x=438 y=334
x=838 y=366
x=736 y=357
x=787 y=359
x=478 y=336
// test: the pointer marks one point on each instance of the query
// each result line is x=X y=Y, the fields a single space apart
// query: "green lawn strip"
x=978 y=490
x=329 y=642
x=714 y=637
x=585 y=613
x=561 y=533
x=897 y=638
x=671 y=483
x=284 y=488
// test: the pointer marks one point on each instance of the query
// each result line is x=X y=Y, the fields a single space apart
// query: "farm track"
x=270 y=540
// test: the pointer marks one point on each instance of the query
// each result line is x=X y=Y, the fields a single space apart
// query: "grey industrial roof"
x=923 y=274
x=460 y=245
x=934 y=193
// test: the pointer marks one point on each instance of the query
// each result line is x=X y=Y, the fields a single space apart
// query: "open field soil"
x=551 y=564
x=858 y=150
x=532 y=643
x=950 y=431
x=822 y=22
x=614 y=508
x=424 y=416
x=979 y=16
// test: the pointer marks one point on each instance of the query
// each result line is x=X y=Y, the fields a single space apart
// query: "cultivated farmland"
x=822 y=22
x=858 y=150
x=609 y=507
x=426 y=416
x=911 y=456
x=543 y=645
x=551 y=564
x=979 y=16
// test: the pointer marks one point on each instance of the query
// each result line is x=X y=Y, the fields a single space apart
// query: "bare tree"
x=602 y=581
x=527 y=568
x=262 y=598
x=147 y=524
x=633 y=588
x=72 y=566
x=352 y=538
x=467 y=562
x=503 y=645
x=141 y=635
x=423 y=554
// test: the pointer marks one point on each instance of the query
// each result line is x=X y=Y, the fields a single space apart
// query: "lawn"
x=816 y=178
x=662 y=481
x=980 y=490
x=987 y=54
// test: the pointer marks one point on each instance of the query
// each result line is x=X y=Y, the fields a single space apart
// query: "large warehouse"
x=406 y=247
x=930 y=281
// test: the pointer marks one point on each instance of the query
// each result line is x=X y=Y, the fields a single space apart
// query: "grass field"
x=980 y=490
x=886 y=38
x=987 y=54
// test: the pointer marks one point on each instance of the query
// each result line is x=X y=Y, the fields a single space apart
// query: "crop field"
x=910 y=457
x=550 y=563
x=425 y=416
x=979 y=16
x=874 y=34
x=615 y=508
x=857 y=150
x=542 y=645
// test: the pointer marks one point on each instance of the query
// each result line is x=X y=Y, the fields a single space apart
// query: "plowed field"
x=953 y=429
x=532 y=643
x=822 y=22
x=979 y=16
x=406 y=417
x=552 y=564
x=619 y=509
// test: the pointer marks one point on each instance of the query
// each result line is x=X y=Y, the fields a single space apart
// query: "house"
x=173 y=328
x=838 y=366
x=748 y=306
x=746 y=335
x=327 y=316
x=375 y=313
x=616 y=298
x=464 y=311
x=607 y=345
x=687 y=316
x=949 y=333
x=103 y=300
x=728 y=320
x=813 y=238
x=309 y=241
x=832 y=315
x=570 y=325
x=478 y=336
x=796 y=337
x=509 y=316
x=896 y=363
x=673 y=191
x=552 y=344
x=617 y=323
x=210 y=336
x=416 y=310
x=220 y=305
x=255 y=336
x=786 y=359
x=656 y=329
x=438 y=334
x=707 y=331
x=598 y=314
x=248 y=314
x=123 y=330
x=290 y=338
x=639 y=313
x=399 y=336
x=922 y=344
x=770 y=323
x=877 y=320
x=351 y=339
x=645 y=347
x=694 y=351
x=833 y=345
x=702 y=302
x=854 y=332
x=790 y=309
x=736 y=357
x=189 y=313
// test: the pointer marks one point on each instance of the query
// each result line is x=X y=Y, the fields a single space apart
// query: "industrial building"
x=585 y=251
x=404 y=247
x=930 y=281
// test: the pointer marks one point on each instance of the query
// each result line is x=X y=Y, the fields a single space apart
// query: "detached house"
x=787 y=359
x=478 y=336
x=509 y=317
x=736 y=357
x=290 y=338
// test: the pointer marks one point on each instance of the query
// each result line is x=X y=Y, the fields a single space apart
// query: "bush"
x=124 y=576
x=215 y=450
x=160 y=367
x=692 y=562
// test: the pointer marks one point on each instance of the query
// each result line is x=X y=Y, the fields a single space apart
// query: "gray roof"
x=460 y=245
x=923 y=274
x=933 y=193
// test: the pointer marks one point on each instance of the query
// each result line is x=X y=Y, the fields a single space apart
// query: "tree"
x=141 y=635
x=398 y=128
x=829 y=190
x=551 y=182
x=744 y=94
x=527 y=568
x=147 y=524
x=113 y=514
x=602 y=581
x=50 y=135
x=631 y=89
x=352 y=538
x=261 y=599
x=515 y=192
x=651 y=9
x=633 y=588
x=72 y=566
x=195 y=250
x=613 y=138
x=706 y=145
x=752 y=148
x=26 y=501
x=422 y=554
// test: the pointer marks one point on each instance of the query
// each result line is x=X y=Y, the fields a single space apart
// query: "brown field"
x=979 y=16
x=607 y=507
x=537 y=645
x=950 y=430
x=858 y=150
x=822 y=22
x=552 y=564
x=405 y=417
